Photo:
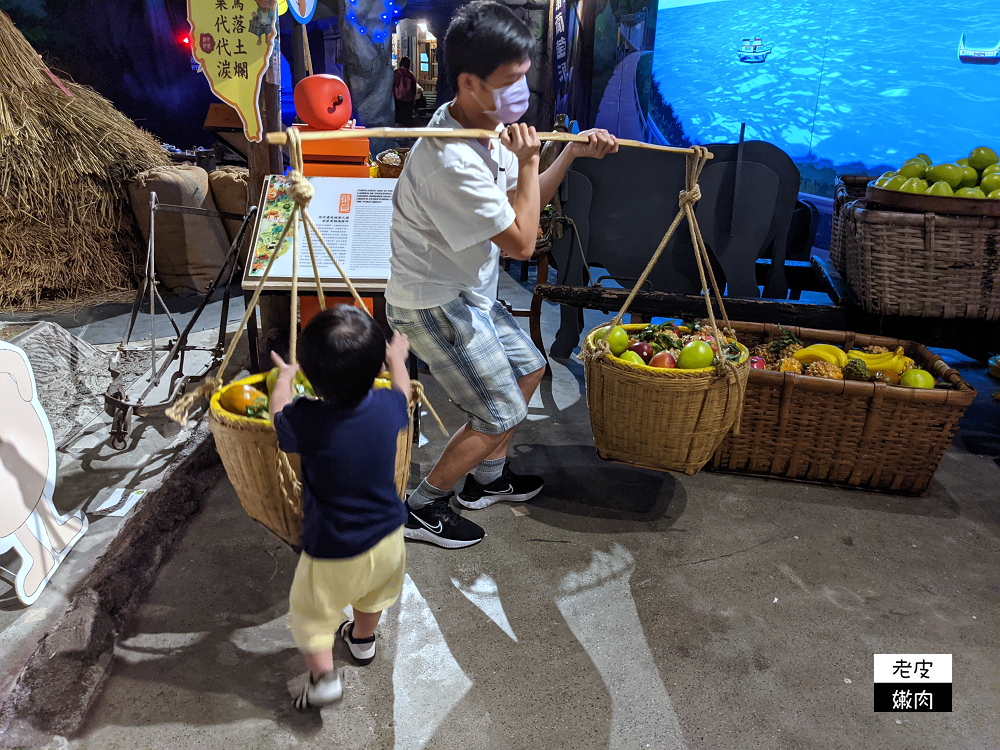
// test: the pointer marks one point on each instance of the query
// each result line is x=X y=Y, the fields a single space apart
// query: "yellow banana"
x=839 y=355
x=812 y=354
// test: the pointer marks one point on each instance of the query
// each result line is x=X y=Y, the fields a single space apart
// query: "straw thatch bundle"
x=66 y=227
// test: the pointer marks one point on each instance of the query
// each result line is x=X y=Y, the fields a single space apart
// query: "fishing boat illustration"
x=753 y=50
x=978 y=56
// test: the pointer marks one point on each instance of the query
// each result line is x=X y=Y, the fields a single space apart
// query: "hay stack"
x=66 y=227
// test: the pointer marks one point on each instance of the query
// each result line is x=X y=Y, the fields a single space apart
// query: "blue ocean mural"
x=841 y=85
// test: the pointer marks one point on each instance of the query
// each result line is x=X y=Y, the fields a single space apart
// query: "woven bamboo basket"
x=270 y=490
x=657 y=418
x=849 y=190
x=923 y=264
x=855 y=434
x=391 y=170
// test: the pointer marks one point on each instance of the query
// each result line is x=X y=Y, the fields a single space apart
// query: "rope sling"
x=301 y=191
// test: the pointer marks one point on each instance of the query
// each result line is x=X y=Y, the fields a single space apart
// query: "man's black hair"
x=482 y=36
x=405 y=63
x=341 y=351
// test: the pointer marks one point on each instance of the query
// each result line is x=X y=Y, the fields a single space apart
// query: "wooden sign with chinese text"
x=232 y=41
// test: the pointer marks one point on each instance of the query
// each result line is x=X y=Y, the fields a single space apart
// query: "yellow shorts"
x=322 y=589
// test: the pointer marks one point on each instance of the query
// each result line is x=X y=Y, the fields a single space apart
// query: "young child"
x=352 y=526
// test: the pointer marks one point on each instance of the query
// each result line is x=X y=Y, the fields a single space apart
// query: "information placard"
x=352 y=214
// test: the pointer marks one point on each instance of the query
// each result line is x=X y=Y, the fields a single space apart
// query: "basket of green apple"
x=665 y=396
x=924 y=243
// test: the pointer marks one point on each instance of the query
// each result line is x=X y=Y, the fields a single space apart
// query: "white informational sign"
x=353 y=215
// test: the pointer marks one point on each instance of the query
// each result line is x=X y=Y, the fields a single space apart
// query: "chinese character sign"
x=913 y=682
x=233 y=43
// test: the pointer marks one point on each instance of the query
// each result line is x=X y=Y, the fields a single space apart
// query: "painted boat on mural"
x=978 y=56
x=753 y=50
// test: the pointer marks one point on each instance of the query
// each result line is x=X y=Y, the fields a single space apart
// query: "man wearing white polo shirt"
x=459 y=205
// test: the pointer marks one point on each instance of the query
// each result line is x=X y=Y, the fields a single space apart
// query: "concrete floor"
x=620 y=609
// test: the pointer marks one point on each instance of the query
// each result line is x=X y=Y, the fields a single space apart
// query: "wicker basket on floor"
x=865 y=435
x=923 y=264
x=849 y=190
x=268 y=485
x=657 y=418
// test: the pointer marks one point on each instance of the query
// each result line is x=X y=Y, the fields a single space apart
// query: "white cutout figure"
x=597 y=605
x=426 y=679
x=486 y=596
x=29 y=522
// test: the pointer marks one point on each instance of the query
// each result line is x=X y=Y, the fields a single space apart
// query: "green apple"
x=888 y=174
x=631 y=357
x=895 y=183
x=982 y=157
x=882 y=181
x=991 y=169
x=990 y=183
x=925 y=159
x=618 y=340
x=950 y=173
x=917 y=378
x=915 y=168
x=695 y=355
x=970 y=177
x=970 y=192
x=962 y=162
x=914 y=185
x=940 y=188
x=995 y=195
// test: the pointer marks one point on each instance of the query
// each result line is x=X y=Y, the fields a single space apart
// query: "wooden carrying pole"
x=280 y=139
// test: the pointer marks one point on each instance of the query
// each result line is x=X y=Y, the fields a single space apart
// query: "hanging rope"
x=687 y=199
x=301 y=191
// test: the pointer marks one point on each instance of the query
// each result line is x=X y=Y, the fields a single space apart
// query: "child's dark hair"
x=341 y=351
x=482 y=36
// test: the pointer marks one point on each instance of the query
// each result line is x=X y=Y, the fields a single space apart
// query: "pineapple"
x=790 y=364
x=785 y=345
x=789 y=351
x=908 y=364
x=875 y=350
x=825 y=370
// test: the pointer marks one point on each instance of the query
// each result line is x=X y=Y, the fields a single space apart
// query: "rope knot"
x=300 y=189
x=690 y=197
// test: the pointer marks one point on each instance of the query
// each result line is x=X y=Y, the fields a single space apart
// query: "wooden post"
x=265 y=159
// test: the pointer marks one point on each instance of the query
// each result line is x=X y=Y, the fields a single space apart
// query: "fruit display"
x=975 y=176
x=787 y=353
x=667 y=346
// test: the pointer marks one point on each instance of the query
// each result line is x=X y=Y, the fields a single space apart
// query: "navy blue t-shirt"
x=349 y=499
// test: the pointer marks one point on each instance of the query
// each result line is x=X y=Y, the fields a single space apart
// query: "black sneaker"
x=510 y=487
x=362 y=649
x=438 y=524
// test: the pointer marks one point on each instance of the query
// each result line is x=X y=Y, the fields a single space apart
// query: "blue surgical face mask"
x=510 y=102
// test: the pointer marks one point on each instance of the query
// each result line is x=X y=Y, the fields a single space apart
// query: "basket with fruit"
x=863 y=411
x=663 y=397
x=924 y=242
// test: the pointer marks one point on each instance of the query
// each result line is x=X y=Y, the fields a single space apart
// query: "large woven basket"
x=269 y=490
x=923 y=264
x=849 y=190
x=865 y=435
x=657 y=418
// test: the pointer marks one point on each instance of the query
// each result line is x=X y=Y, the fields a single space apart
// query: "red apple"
x=643 y=349
x=663 y=359
x=757 y=363
x=323 y=102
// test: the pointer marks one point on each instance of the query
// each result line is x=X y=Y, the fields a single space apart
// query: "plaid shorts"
x=476 y=355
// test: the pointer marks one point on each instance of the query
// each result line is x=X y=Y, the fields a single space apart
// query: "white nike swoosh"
x=433 y=529
x=508 y=491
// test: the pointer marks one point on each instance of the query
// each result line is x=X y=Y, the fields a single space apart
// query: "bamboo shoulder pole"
x=280 y=139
